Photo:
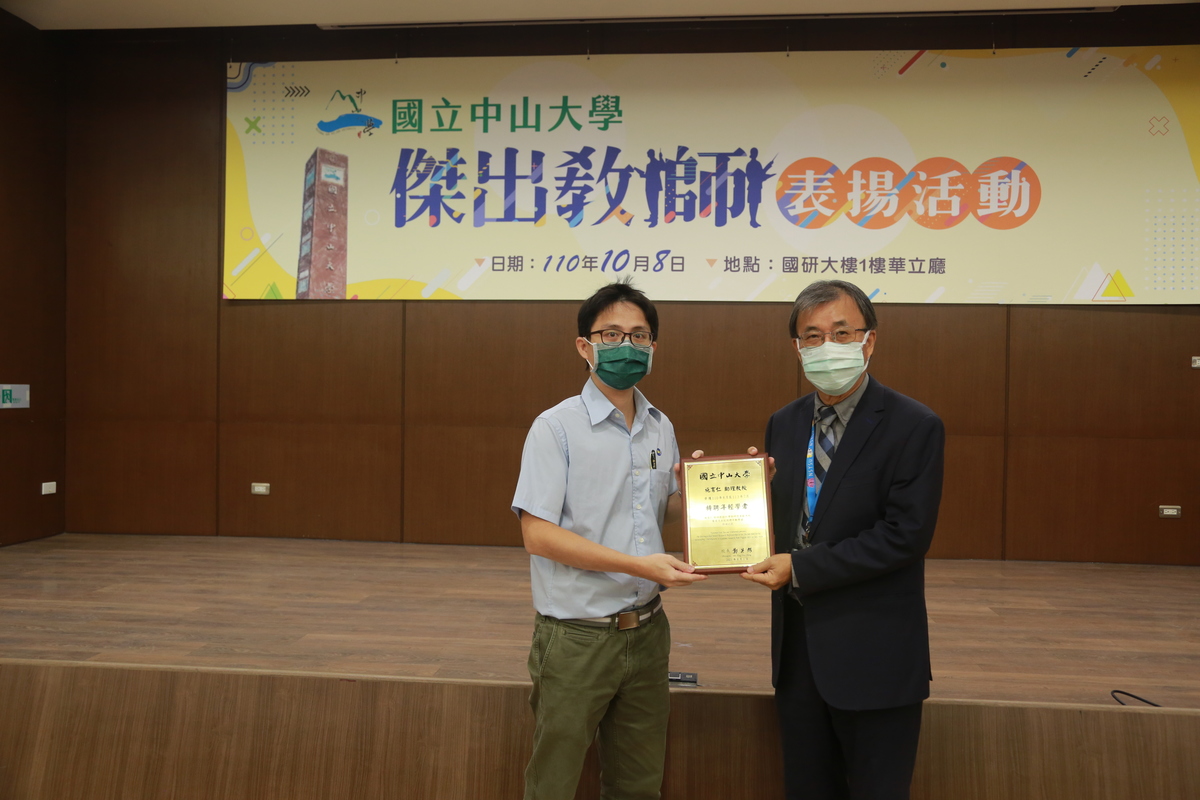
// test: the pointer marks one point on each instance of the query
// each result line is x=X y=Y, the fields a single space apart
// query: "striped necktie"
x=826 y=443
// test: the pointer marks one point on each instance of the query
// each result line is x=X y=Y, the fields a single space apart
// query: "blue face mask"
x=622 y=366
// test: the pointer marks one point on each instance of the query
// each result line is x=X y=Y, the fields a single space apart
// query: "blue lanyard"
x=810 y=474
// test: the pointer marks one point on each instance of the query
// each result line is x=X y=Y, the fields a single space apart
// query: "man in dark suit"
x=855 y=495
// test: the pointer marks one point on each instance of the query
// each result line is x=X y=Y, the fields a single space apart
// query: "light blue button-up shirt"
x=585 y=470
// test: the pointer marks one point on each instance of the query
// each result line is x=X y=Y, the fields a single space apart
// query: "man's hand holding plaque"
x=726 y=511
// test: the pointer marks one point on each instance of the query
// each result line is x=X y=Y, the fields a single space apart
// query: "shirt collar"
x=846 y=407
x=600 y=408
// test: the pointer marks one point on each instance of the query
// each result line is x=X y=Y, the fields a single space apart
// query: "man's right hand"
x=667 y=570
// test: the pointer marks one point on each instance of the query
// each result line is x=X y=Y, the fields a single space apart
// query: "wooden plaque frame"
x=756 y=545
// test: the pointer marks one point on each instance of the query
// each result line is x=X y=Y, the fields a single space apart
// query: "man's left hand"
x=774 y=573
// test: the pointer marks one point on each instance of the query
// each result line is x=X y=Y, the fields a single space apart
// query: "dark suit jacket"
x=862 y=582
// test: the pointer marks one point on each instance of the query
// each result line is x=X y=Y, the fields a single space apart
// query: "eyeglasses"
x=841 y=336
x=615 y=337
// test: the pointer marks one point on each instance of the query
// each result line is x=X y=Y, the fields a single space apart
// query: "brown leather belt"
x=626 y=620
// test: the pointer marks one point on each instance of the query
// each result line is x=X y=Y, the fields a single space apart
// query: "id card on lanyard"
x=810 y=485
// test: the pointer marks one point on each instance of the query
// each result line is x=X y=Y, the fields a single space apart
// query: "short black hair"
x=605 y=297
x=818 y=293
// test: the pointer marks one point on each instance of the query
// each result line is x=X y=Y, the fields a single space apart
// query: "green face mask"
x=622 y=366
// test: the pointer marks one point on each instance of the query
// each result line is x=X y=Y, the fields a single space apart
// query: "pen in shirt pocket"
x=653 y=460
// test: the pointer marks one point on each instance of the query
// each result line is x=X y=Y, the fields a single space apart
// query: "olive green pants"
x=589 y=679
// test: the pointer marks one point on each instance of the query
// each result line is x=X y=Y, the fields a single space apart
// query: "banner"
x=1032 y=176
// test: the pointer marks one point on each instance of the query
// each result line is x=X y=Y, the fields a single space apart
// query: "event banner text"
x=1052 y=176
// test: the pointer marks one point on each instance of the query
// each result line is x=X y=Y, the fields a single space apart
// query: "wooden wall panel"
x=1105 y=372
x=489 y=363
x=951 y=358
x=1056 y=752
x=459 y=483
x=722 y=367
x=328 y=481
x=142 y=477
x=1096 y=499
x=722 y=746
x=32 y=312
x=971 y=519
x=143 y=197
x=476 y=376
x=131 y=733
x=331 y=363
x=87 y=731
x=32 y=453
x=31 y=227
x=312 y=402
x=1103 y=429
x=142 y=233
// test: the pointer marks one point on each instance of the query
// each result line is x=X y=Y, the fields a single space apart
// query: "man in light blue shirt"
x=598 y=481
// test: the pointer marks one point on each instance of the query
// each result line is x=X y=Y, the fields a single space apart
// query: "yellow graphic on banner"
x=1115 y=287
x=251 y=271
x=1172 y=69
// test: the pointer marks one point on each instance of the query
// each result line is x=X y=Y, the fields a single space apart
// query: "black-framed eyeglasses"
x=637 y=338
x=841 y=336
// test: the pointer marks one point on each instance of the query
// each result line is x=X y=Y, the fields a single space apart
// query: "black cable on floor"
x=1116 y=692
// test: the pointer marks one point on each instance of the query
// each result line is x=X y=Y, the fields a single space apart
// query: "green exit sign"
x=14 y=396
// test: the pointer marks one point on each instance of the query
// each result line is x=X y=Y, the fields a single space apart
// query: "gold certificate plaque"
x=726 y=512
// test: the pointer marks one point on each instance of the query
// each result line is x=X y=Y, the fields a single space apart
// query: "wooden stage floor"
x=1001 y=631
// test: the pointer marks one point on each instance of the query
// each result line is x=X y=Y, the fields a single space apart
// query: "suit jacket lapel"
x=864 y=423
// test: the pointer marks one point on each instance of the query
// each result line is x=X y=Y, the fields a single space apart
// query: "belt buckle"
x=627 y=620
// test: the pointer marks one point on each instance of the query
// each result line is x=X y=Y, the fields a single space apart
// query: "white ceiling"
x=93 y=14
